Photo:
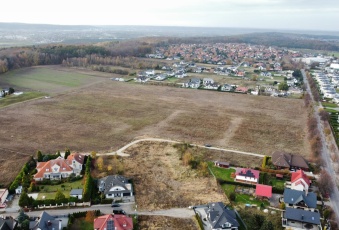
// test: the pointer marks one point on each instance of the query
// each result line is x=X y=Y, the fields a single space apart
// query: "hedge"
x=221 y=181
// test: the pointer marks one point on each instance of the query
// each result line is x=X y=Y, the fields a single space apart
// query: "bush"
x=232 y=196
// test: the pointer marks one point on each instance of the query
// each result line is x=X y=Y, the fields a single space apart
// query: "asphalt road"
x=334 y=196
x=129 y=208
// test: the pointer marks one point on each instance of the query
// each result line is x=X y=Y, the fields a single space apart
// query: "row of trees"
x=19 y=57
x=88 y=181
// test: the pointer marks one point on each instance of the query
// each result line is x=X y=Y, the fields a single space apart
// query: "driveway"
x=13 y=206
x=200 y=210
x=274 y=201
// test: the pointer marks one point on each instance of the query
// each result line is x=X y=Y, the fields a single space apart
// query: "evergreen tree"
x=24 y=200
x=22 y=217
x=267 y=225
x=67 y=153
x=39 y=156
x=59 y=197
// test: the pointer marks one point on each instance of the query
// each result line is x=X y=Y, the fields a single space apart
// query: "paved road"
x=325 y=151
x=120 y=152
x=129 y=208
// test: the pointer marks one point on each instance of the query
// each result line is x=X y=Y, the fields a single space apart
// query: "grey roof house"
x=298 y=199
x=45 y=222
x=7 y=223
x=115 y=186
x=293 y=218
x=220 y=216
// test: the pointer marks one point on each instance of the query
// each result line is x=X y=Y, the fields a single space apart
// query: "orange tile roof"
x=43 y=166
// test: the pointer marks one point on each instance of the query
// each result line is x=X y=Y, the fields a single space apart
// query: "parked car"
x=119 y=211
x=208 y=145
x=115 y=205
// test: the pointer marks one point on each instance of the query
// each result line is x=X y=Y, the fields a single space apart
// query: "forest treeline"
x=19 y=57
x=268 y=39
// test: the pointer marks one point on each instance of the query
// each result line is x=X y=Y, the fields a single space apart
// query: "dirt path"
x=120 y=152
x=230 y=132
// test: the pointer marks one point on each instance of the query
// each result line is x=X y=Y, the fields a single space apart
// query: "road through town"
x=334 y=196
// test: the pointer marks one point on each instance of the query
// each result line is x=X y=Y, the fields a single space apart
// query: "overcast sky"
x=275 y=14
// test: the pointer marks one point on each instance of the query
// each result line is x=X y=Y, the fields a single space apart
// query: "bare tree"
x=325 y=183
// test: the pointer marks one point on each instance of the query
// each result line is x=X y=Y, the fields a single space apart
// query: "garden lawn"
x=329 y=105
x=49 y=190
x=242 y=198
x=221 y=173
x=12 y=99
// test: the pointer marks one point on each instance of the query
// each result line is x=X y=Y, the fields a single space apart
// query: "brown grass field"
x=168 y=223
x=104 y=115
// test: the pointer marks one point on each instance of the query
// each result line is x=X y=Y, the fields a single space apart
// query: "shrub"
x=232 y=196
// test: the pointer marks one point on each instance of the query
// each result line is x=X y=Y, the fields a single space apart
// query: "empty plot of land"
x=162 y=182
x=165 y=222
x=104 y=116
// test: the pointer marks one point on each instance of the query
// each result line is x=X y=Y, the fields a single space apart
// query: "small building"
x=18 y=190
x=3 y=196
x=246 y=175
x=222 y=164
x=77 y=193
x=113 y=222
x=263 y=191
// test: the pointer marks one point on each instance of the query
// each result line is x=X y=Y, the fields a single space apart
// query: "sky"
x=270 y=14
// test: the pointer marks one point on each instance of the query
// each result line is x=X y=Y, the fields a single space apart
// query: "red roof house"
x=247 y=175
x=299 y=181
x=263 y=190
x=113 y=222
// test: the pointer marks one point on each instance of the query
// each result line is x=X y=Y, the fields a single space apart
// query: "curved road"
x=325 y=151
x=120 y=151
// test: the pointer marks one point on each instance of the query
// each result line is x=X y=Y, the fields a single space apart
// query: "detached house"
x=56 y=169
x=300 y=219
x=115 y=186
x=113 y=222
x=221 y=217
x=283 y=160
x=247 y=175
x=299 y=181
x=76 y=161
x=300 y=199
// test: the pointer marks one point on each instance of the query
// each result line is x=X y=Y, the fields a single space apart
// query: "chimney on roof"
x=60 y=224
x=49 y=223
x=302 y=217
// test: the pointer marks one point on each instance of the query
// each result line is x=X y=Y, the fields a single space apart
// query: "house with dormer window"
x=56 y=169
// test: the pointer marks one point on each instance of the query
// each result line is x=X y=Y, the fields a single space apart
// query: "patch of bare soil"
x=168 y=223
x=162 y=182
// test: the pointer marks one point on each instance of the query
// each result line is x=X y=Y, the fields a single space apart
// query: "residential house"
x=283 y=160
x=54 y=170
x=263 y=190
x=45 y=222
x=113 y=222
x=221 y=217
x=227 y=88
x=161 y=77
x=149 y=72
x=115 y=186
x=246 y=175
x=299 y=181
x=3 y=197
x=7 y=223
x=192 y=83
x=214 y=86
x=222 y=164
x=76 y=161
x=77 y=193
x=299 y=199
x=293 y=218
x=241 y=90
x=141 y=79
x=206 y=81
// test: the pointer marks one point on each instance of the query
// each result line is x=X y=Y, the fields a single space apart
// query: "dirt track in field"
x=107 y=115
